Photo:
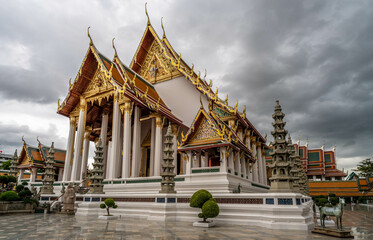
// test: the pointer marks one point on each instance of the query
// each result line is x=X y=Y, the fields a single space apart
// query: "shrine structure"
x=163 y=133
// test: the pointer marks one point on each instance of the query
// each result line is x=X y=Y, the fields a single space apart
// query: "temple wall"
x=182 y=97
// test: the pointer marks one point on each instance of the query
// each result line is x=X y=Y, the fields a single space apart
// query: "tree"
x=109 y=203
x=365 y=168
x=5 y=165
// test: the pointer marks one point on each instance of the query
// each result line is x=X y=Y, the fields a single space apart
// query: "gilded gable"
x=204 y=132
x=156 y=66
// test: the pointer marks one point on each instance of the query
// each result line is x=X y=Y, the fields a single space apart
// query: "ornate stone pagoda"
x=48 y=180
x=13 y=165
x=97 y=176
x=281 y=180
x=296 y=170
x=168 y=174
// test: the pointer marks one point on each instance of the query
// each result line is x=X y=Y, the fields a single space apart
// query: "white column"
x=152 y=147
x=264 y=174
x=115 y=150
x=60 y=174
x=223 y=160
x=109 y=160
x=85 y=155
x=158 y=146
x=126 y=140
x=75 y=174
x=243 y=167
x=255 y=167
x=103 y=136
x=33 y=174
x=20 y=176
x=69 y=151
x=250 y=171
x=260 y=163
x=204 y=162
x=174 y=141
x=136 y=153
x=231 y=162
x=188 y=169
x=238 y=161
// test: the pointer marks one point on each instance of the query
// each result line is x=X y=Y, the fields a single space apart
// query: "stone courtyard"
x=52 y=226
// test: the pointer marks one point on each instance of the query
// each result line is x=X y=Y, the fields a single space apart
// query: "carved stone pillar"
x=231 y=162
x=126 y=140
x=69 y=150
x=103 y=136
x=158 y=145
x=188 y=164
x=115 y=150
x=33 y=174
x=75 y=174
x=136 y=153
x=223 y=160
x=238 y=163
x=152 y=147
x=84 y=166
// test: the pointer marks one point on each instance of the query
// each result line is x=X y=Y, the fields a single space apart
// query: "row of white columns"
x=116 y=165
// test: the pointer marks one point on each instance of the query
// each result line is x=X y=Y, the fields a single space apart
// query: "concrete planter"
x=16 y=207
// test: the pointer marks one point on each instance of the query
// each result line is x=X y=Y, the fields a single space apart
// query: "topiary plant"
x=9 y=196
x=19 y=188
x=203 y=199
x=108 y=203
x=24 y=183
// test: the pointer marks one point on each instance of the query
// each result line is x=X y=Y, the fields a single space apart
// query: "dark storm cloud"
x=11 y=137
x=315 y=56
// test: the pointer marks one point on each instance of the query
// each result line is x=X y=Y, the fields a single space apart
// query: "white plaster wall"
x=182 y=97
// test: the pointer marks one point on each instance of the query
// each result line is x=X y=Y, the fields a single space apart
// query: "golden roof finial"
x=24 y=142
x=90 y=39
x=210 y=84
x=58 y=102
x=244 y=111
x=115 y=50
x=70 y=84
x=216 y=93
x=191 y=70
x=236 y=105
x=226 y=100
x=146 y=12
x=205 y=74
x=164 y=33
x=265 y=137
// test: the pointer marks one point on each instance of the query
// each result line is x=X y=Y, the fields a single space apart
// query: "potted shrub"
x=210 y=209
x=108 y=203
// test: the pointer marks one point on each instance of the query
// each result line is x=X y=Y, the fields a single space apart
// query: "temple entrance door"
x=214 y=161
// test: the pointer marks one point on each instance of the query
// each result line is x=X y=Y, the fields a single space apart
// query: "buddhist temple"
x=319 y=164
x=31 y=162
x=130 y=106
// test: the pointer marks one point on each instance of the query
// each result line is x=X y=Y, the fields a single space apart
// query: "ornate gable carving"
x=204 y=132
x=157 y=67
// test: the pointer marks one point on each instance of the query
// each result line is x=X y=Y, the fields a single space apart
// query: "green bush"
x=108 y=203
x=12 y=179
x=19 y=188
x=203 y=199
x=9 y=196
x=333 y=200
x=332 y=195
x=320 y=202
x=210 y=209
x=24 y=183
x=25 y=193
x=199 y=198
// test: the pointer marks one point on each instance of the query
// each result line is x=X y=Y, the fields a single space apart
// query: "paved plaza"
x=53 y=226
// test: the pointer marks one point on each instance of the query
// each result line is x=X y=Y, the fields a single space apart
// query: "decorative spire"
x=168 y=175
x=13 y=165
x=146 y=12
x=97 y=177
x=90 y=39
x=164 y=33
x=115 y=50
x=48 y=180
x=281 y=180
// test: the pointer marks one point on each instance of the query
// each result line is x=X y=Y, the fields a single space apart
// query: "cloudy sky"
x=316 y=57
